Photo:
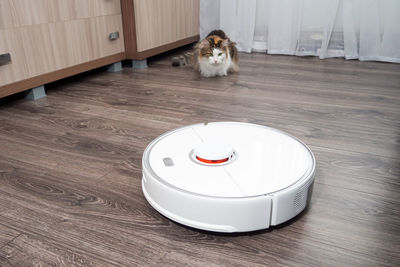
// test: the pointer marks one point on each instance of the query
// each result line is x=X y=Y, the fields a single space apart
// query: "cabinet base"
x=115 y=67
x=139 y=64
x=23 y=85
x=36 y=93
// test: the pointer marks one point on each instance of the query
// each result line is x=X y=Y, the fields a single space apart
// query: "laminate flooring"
x=70 y=164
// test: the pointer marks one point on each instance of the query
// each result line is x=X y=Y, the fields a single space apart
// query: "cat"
x=215 y=55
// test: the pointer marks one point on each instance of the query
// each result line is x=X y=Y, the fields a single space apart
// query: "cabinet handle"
x=5 y=58
x=113 y=36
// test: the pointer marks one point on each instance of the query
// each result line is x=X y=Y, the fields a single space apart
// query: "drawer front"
x=19 y=13
x=102 y=27
x=43 y=48
x=88 y=39
x=15 y=69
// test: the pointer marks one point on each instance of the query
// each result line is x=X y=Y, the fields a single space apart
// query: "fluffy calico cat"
x=215 y=55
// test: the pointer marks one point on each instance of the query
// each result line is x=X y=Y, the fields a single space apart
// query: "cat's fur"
x=215 y=55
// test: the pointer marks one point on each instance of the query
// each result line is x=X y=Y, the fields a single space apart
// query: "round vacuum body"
x=228 y=176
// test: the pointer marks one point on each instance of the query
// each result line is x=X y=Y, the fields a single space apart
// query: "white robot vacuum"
x=228 y=176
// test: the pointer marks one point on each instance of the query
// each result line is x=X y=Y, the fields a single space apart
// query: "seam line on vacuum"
x=201 y=139
x=233 y=180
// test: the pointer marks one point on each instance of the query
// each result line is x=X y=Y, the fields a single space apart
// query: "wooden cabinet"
x=155 y=26
x=51 y=39
x=45 y=40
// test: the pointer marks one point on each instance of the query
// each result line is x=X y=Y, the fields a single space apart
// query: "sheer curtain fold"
x=363 y=29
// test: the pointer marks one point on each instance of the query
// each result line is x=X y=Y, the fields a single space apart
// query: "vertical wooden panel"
x=160 y=22
x=128 y=21
x=155 y=25
x=187 y=18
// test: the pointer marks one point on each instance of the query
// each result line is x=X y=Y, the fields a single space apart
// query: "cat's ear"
x=225 y=42
x=204 y=43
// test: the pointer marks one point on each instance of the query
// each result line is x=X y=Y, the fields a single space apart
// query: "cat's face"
x=216 y=57
x=213 y=50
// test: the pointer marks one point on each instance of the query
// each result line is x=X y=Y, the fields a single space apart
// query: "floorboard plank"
x=7 y=235
x=27 y=250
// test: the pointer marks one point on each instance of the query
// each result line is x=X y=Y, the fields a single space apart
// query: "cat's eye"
x=220 y=54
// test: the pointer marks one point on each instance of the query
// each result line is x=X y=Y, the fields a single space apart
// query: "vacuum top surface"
x=227 y=159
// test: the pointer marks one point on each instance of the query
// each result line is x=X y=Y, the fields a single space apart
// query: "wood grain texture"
x=185 y=24
x=160 y=22
x=128 y=22
x=11 y=42
x=154 y=23
x=27 y=250
x=21 y=13
x=160 y=49
x=7 y=235
x=44 y=48
x=46 y=36
x=5 y=15
x=187 y=18
x=70 y=167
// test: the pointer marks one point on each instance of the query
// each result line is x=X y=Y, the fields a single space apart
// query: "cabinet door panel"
x=155 y=24
x=159 y=22
x=187 y=18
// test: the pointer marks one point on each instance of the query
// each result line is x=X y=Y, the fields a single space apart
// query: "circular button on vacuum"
x=213 y=153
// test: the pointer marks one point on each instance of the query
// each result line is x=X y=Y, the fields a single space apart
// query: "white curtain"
x=354 y=29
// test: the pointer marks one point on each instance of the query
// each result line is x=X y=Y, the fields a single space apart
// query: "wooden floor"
x=70 y=164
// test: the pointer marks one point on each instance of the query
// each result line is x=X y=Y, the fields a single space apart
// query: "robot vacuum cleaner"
x=228 y=176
